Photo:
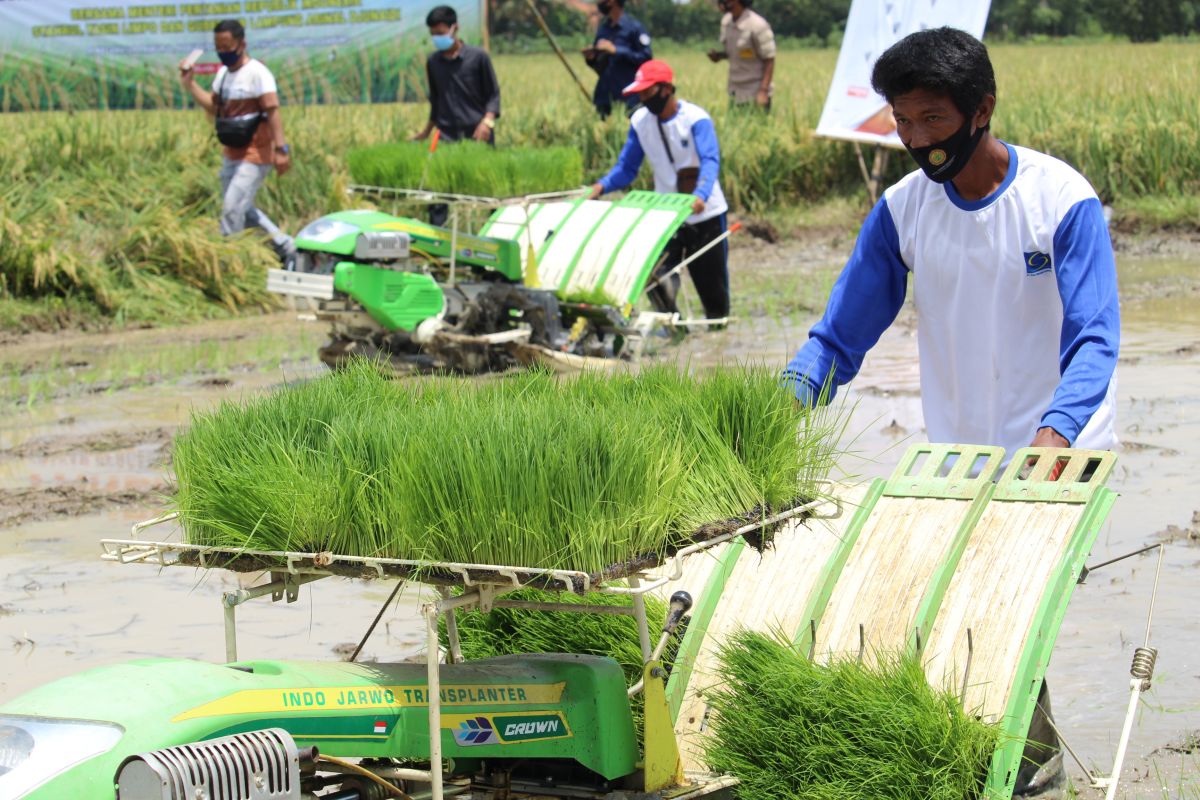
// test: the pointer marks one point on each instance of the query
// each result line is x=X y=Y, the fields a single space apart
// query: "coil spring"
x=1143 y=664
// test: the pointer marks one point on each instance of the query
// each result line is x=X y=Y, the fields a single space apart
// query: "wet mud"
x=85 y=454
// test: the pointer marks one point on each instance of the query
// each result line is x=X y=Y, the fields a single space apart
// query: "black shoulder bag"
x=686 y=178
x=235 y=132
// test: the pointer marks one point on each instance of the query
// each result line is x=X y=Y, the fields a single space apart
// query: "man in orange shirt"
x=244 y=103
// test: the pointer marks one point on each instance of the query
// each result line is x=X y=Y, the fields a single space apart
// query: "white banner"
x=852 y=109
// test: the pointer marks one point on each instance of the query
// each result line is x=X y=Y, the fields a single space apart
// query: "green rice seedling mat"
x=593 y=247
x=965 y=565
x=467 y=168
x=602 y=475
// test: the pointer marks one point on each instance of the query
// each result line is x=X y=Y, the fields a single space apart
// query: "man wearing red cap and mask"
x=679 y=141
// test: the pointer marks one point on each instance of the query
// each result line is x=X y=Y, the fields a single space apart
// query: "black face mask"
x=942 y=161
x=657 y=102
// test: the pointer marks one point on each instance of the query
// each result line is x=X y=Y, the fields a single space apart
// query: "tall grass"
x=80 y=188
x=791 y=729
x=470 y=168
x=525 y=471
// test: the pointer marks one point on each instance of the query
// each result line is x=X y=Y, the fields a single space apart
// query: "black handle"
x=681 y=603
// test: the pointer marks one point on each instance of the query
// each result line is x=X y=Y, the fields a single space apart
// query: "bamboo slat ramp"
x=765 y=592
x=941 y=554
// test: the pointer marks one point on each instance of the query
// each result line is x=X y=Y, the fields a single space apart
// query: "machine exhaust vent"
x=257 y=765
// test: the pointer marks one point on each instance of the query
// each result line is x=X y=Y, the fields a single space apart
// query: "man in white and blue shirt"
x=1012 y=268
x=1014 y=284
x=679 y=141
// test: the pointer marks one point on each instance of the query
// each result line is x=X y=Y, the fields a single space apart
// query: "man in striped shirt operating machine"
x=1013 y=277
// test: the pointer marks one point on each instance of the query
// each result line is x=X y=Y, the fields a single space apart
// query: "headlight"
x=324 y=231
x=35 y=749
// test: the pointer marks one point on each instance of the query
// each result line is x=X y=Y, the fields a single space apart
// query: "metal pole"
x=639 y=612
x=1135 y=692
x=434 y=691
x=877 y=168
x=229 y=601
x=453 y=240
x=734 y=228
x=537 y=15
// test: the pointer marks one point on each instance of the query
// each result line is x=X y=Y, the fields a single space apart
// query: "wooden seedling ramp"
x=868 y=598
x=940 y=548
x=1011 y=587
x=594 y=246
x=737 y=587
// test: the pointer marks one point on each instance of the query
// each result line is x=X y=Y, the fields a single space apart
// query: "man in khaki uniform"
x=749 y=44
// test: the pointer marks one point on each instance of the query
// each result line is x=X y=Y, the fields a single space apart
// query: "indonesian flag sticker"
x=380 y=726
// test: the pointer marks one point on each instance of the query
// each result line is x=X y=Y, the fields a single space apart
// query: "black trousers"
x=710 y=272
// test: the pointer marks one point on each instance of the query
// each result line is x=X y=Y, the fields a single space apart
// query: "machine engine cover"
x=257 y=765
x=396 y=300
x=381 y=246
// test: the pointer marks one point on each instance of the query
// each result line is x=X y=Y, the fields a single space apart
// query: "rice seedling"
x=470 y=168
x=792 y=729
x=525 y=471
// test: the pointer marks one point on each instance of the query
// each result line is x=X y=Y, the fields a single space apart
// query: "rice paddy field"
x=110 y=217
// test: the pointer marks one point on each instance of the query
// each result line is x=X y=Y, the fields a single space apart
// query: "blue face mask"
x=442 y=41
x=229 y=59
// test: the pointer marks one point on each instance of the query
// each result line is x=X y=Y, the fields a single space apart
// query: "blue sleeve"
x=628 y=164
x=705 y=137
x=634 y=46
x=865 y=300
x=1091 y=330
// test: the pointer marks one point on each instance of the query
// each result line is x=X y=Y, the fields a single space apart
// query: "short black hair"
x=232 y=27
x=441 y=15
x=943 y=60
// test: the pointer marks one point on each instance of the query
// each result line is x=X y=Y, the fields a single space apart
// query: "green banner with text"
x=79 y=54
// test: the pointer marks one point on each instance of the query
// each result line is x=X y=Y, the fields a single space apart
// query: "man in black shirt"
x=464 y=95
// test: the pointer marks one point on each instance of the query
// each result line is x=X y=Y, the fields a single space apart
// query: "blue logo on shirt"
x=1036 y=263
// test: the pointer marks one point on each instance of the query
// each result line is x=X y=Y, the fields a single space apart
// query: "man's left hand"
x=698 y=205
x=1048 y=437
x=763 y=98
x=482 y=132
x=283 y=162
x=606 y=46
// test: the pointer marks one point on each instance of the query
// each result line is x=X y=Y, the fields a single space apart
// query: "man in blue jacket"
x=621 y=46
x=679 y=141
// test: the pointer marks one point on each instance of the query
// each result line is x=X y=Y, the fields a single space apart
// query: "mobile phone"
x=192 y=58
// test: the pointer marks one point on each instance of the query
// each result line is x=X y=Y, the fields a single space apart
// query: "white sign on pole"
x=853 y=111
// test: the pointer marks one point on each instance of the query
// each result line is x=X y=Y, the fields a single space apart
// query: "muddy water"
x=80 y=466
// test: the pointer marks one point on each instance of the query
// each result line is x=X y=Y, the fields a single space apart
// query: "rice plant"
x=791 y=729
x=526 y=471
x=80 y=187
x=471 y=168
x=509 y=631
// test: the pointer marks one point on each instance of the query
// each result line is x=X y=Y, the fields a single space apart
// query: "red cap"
x=649 y=74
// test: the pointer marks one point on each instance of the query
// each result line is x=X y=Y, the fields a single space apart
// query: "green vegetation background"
x=111 y=216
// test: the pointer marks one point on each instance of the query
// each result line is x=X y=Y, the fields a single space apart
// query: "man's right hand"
x=715 y=55
x=597 y=190
x=187 y=73
x=419 y=136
